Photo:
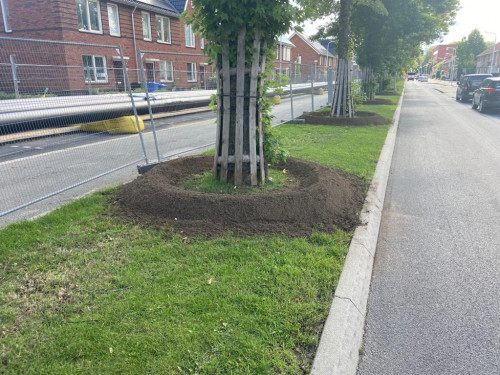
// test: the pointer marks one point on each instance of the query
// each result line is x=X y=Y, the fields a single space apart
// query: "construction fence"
x=78 y=117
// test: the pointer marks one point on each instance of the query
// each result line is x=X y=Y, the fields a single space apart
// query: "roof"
x=489 y=50
x=328 y=44
x=285 y=41
x=316 y=46
x=180 y=5
x=158 y=6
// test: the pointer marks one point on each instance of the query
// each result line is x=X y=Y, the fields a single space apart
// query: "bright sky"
x=481 y=14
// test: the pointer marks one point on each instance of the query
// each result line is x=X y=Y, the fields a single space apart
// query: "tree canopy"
x=467 y=51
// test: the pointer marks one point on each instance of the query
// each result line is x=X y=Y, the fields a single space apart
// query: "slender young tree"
x=241 y=34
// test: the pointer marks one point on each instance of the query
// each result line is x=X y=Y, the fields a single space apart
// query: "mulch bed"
x=322 y=200
x=379 y=102
x=360 y=119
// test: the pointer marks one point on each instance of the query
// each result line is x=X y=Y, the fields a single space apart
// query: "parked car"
x=467 y=84
x=411 y=76
x=423 y=78
x=487 y=95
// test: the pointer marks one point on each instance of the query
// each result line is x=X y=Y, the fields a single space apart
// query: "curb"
x=342 y=336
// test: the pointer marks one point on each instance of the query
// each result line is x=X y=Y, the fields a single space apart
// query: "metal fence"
x=59 y=137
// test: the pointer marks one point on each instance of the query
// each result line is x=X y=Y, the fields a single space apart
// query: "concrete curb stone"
x=338 y=350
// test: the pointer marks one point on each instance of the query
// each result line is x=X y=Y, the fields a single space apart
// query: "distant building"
x=484 y=60
x=312 y=56
x=443 y=54
x=283 y=64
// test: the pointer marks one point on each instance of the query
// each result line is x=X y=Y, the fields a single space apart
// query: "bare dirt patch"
x=322 y=200
x=360 y=119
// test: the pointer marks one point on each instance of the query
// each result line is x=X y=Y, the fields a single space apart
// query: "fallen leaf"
x=209 y=281
x=110 y=350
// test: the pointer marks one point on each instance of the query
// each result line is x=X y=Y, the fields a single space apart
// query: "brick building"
x=488 y=61
x=443 y=53
x=175 y=54
x=313 y=57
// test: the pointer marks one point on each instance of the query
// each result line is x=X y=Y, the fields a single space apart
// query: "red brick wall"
x=57 y=20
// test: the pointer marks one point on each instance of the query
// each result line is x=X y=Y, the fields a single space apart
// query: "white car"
x=423 y=78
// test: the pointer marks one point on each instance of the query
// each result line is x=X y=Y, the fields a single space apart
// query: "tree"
x=467 y=51
x=241 y=34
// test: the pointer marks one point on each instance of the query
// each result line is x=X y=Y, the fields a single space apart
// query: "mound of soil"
x=379 y=102
x=323 y=199
x=360 y=119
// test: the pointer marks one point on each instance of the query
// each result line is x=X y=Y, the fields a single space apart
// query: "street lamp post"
x=327 y=54
x=493 y=52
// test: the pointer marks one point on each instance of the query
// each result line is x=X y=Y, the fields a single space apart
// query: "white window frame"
x=161 y=31
x=94 y=68
x=87 y=10
x=149 y=37
x=202 y=43
x=166 y=67
x=194 y=77
x=5 y=14
x=188 y=31
x=115 y=7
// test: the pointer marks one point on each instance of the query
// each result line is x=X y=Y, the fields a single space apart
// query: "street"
x=433 y=306
x=33 y=169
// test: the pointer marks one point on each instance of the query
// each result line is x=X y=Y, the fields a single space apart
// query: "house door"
x=150 y=71
x=118 y=70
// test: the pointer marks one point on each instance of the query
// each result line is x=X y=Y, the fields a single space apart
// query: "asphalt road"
x=36 y=168
x=433 y=306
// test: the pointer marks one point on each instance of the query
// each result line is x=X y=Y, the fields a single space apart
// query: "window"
x=188 y=31
x=146 y=26
x=5 y=14
x=299 y=59
x=163 y=29
x=166 y=71
x=286 y=53
x=202 y=43
x=191 y=72
x=114 y=20
x=89 y=16
x=95 y=69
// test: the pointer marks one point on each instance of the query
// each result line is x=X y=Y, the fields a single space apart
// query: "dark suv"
x=487 y=95
x=468 y=83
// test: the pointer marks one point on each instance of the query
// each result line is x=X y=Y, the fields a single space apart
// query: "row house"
x=489 y=61
x=312 y=57
x=172 y=53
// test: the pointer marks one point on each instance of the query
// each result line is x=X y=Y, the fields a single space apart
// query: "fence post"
x=312 y=95
x=14 y=75
x=148 y=99
x=291 y=99
x=129 y=89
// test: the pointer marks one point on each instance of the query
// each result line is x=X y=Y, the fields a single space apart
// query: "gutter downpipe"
x=135 y=45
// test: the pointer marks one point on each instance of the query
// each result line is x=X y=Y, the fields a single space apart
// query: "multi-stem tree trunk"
x=238 y=157
x=367 y=82
x=342 y=104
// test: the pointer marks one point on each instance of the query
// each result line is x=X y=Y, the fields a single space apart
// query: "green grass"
x=277 y=179
x=83 y=293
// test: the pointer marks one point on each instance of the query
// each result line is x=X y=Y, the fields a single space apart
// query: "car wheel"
x=462 y=99
x=456 y=96
x=474 y=105
x=481 y=107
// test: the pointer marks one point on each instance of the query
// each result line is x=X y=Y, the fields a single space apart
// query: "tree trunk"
x=237 y=155
x=342 y=104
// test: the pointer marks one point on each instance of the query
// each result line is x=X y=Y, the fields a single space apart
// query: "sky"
x=481 y=14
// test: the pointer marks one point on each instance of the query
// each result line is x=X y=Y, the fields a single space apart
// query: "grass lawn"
x=82 y=293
